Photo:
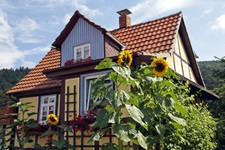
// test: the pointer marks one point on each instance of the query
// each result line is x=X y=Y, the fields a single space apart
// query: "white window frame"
x=86 y=95
x=82 y=47
x=47 y=106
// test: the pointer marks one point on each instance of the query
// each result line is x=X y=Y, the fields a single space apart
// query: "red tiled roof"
x=154 y=36
x=35 y=79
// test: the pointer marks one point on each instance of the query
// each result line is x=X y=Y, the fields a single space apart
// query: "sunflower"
x=52 y=119
x=161 y=66
x=125 y=57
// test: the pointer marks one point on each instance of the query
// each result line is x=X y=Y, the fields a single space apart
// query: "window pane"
x=88 y=90
x=78 y=54
x=47 y=106
x=89 y=100
x=86 y=52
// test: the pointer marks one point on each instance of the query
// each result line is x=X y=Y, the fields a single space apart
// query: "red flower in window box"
x=88 y=59
x=69 y=62
x=82 y=122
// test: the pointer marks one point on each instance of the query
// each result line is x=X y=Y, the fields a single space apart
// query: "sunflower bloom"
x=125 y=57
x=161 y=66
x=52 y=119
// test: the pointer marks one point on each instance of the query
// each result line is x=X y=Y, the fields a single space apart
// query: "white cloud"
x=25 y=28
x=83 y=8
x=37 y=50
x=149 y=8
x=29 y=64
x=220 y=23
x=66 y=18
x=207 y=11
x=9 y=52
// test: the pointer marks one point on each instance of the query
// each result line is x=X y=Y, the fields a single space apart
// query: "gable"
x=83 y=33
x=179 y=61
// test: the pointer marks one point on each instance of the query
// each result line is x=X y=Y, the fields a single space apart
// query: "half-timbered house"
x=60 y=82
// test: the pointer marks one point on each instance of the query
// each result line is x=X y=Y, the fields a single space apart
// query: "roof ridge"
x=68 y=27
x=178 y=13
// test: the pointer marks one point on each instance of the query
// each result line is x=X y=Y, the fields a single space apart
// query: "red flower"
x=69 y=62
x=82 y=122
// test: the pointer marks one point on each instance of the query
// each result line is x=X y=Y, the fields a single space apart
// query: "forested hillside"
x=208 y=69
x=8 y=78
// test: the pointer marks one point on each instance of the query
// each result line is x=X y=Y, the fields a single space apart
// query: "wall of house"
x=111 y=48
x=34 y=102
x=179 y=62
x=71 y=98
x=72 y=104
x=83 y=33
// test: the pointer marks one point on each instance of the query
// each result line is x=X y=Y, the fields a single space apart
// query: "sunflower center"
x=52 y=119
x=159 y=67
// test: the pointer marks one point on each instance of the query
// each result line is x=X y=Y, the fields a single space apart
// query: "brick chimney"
x=124 y=19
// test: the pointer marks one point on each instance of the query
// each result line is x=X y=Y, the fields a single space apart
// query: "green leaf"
x=135 y=114
x=48 y=132
x=180 y=109
x=66 y=128
x=176 y=125
x=108 y=118
x=59 y=144
x=38 y=146
x=26 y=107
x=32 y=125
x=105 y=64
x=142 y=140
x=31 y=114
x=177 y=119
x=15 y=105
x=168 y=103
x=123 y=71
x=124 y=132
x=97 y=135
x=160 y=129
x=109 y=146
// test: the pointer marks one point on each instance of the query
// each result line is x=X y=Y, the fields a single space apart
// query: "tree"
x=218 y=107
x=8 y=78
x=159 y=108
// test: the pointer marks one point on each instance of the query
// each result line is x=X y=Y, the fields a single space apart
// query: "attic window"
x=81 y=52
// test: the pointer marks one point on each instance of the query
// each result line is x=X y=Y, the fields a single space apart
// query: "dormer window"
x=81 y=52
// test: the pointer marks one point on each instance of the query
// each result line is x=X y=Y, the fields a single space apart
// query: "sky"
x=29 y=27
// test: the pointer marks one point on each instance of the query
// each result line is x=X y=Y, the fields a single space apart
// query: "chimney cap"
x=124 y=12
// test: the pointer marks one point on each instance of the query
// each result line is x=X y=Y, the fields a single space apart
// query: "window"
x=47 y=106
x=81 y=52
x=86 y=87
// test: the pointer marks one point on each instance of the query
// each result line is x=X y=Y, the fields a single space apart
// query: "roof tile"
x=154 y=37
x=150 y=36
x=35 y=79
